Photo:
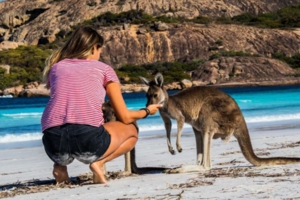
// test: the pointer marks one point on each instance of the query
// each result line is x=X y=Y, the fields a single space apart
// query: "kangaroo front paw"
x=172 y=152
x=178 y=146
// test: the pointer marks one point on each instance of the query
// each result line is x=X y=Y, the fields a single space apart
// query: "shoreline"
x=253 y=127
x=40 y=90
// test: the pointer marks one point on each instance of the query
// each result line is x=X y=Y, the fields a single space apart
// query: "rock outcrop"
x=37 y=89
x=244 y=70
x=34 y=22
x=38 y=21
x=192 y=41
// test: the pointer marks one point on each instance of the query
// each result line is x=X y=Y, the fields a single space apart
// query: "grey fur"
x=212 y=114
x=130 y=163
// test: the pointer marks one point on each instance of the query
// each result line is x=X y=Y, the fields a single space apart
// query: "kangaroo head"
x=108 y=112
x=156 y=94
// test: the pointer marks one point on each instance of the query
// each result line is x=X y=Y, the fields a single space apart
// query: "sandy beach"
x=25 y=173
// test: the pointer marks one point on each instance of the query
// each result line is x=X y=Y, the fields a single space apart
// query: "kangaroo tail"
x=142 y=170
x=243 y=138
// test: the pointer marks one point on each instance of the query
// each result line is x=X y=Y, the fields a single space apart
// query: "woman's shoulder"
x=103 y=64
x=83 y=62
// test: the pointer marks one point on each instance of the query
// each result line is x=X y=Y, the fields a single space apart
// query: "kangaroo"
x=212 y=114
x=130 y=163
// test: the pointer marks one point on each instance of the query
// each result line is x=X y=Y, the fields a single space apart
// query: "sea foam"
x=21 y=137
x=23 y=115
x=273 y=118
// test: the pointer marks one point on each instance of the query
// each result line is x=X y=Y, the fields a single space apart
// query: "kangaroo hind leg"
x=199 y=146
x=180 y=123
x=206 y=149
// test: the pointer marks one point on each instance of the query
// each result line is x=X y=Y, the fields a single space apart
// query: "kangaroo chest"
x=178 y=114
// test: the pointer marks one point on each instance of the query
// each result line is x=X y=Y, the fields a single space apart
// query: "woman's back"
x=77 y=92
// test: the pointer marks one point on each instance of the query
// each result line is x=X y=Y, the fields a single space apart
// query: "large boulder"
x=14 y=91
x=243 y=70
x=35 y=90
x=186 y=83
x=4 y=45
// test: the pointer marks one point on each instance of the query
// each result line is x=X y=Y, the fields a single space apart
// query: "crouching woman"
x=72 y=122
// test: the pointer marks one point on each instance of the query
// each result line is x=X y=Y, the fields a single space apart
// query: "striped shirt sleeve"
x=110 y=76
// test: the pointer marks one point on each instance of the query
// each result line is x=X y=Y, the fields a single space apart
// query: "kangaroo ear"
x=159 y=79
x=144 y=80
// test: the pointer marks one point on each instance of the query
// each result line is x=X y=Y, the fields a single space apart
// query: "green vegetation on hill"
x=173 y=71
x=293 y=61
x=26 y=62
x=132 y=16
x=231 y=54
x=288 y=17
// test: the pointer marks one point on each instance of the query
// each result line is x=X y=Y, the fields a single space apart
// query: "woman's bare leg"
x=60 y=174
x=123 y=139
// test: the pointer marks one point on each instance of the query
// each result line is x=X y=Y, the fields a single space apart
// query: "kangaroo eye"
x=155 y=95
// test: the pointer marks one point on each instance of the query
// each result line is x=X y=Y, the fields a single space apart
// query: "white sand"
x=32 y=163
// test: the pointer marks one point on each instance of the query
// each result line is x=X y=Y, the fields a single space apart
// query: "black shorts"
x=84 y=142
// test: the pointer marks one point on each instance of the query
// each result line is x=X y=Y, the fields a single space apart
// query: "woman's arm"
x=126 y=116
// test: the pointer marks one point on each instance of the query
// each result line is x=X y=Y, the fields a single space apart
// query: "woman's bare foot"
x=98 y=175
x=60 y=174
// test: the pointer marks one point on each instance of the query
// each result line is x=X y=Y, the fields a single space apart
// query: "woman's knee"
x=132 y=141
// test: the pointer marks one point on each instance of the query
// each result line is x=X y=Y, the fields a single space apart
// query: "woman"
x=72 y=121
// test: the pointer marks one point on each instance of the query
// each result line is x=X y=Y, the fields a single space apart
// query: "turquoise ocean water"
x=264 y=108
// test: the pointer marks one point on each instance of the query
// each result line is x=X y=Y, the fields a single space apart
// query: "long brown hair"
x=80 y=46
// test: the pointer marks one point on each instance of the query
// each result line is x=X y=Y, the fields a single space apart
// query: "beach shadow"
x=37 y=186
x=37 y=182
x=26 y=184
x=82 y=179
x=28 y=187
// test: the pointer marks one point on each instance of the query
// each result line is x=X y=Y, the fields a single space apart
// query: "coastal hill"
x=26 y=22
x=32 y=21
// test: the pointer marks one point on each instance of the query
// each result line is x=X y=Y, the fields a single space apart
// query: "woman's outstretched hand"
x=153 y=108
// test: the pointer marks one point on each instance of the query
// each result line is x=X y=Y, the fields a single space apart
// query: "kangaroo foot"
x=185 y=168
x=125 y=173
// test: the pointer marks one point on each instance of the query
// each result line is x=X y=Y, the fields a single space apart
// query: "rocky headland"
x=25 y=22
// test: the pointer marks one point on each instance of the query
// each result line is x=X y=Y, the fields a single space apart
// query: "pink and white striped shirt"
x=77 y=92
